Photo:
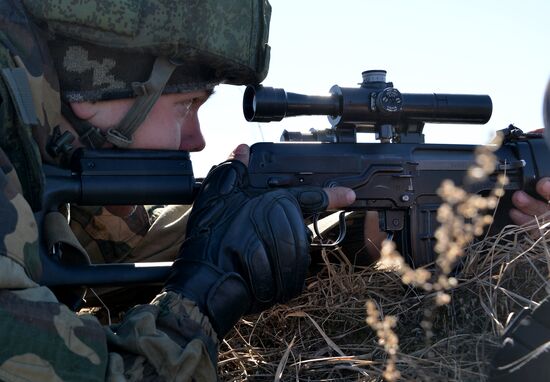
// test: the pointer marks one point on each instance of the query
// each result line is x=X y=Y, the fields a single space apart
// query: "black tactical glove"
x=244 y=251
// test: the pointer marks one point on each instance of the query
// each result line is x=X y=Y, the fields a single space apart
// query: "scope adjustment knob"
x=389 y=100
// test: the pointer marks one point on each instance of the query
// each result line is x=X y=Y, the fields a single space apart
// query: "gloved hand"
x=244 y=251
x=523 y=355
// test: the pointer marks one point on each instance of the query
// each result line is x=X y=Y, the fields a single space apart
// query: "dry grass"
x=323 y=334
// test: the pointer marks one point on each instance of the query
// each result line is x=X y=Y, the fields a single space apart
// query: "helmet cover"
x=100 y=48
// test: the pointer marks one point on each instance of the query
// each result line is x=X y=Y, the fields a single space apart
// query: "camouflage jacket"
x=148 y=233
x=168 y=339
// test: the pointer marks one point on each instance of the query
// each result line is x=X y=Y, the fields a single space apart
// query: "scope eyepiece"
x=264 y=104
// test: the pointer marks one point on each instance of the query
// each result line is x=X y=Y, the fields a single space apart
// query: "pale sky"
x=500 y=48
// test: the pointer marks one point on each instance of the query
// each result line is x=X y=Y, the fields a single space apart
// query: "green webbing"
x=147 y=94
x=121 y=136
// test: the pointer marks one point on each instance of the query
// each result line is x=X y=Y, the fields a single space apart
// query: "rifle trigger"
x=341 y=234
x=316 y=227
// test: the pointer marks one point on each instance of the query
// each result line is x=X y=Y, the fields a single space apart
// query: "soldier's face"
x=172 y=123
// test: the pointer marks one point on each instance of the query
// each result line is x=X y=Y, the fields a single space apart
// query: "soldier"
x=133 y=74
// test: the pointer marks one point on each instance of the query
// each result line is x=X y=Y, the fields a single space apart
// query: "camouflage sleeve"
x=169 y=337
x=147 y=234
x=42 y=340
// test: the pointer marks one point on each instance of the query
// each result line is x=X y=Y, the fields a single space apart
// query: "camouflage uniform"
x=168 y=339
x=147 y=234
x=108 y=238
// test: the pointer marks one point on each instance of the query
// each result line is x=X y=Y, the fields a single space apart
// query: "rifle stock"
x=111 y=177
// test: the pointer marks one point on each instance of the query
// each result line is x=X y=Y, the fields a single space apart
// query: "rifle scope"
x=375 y=101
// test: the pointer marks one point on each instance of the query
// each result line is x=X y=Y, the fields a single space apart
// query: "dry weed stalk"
x=462 y=217
x=386 y=338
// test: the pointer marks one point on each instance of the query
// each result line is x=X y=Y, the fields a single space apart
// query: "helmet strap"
x=147 y=95
x=121 y=136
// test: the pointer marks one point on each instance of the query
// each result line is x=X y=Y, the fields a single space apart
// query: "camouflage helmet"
x=111 y=49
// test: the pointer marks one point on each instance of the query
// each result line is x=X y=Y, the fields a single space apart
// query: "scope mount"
x=382 y=98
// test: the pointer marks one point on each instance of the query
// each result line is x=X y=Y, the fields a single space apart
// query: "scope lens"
x=249 y=103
